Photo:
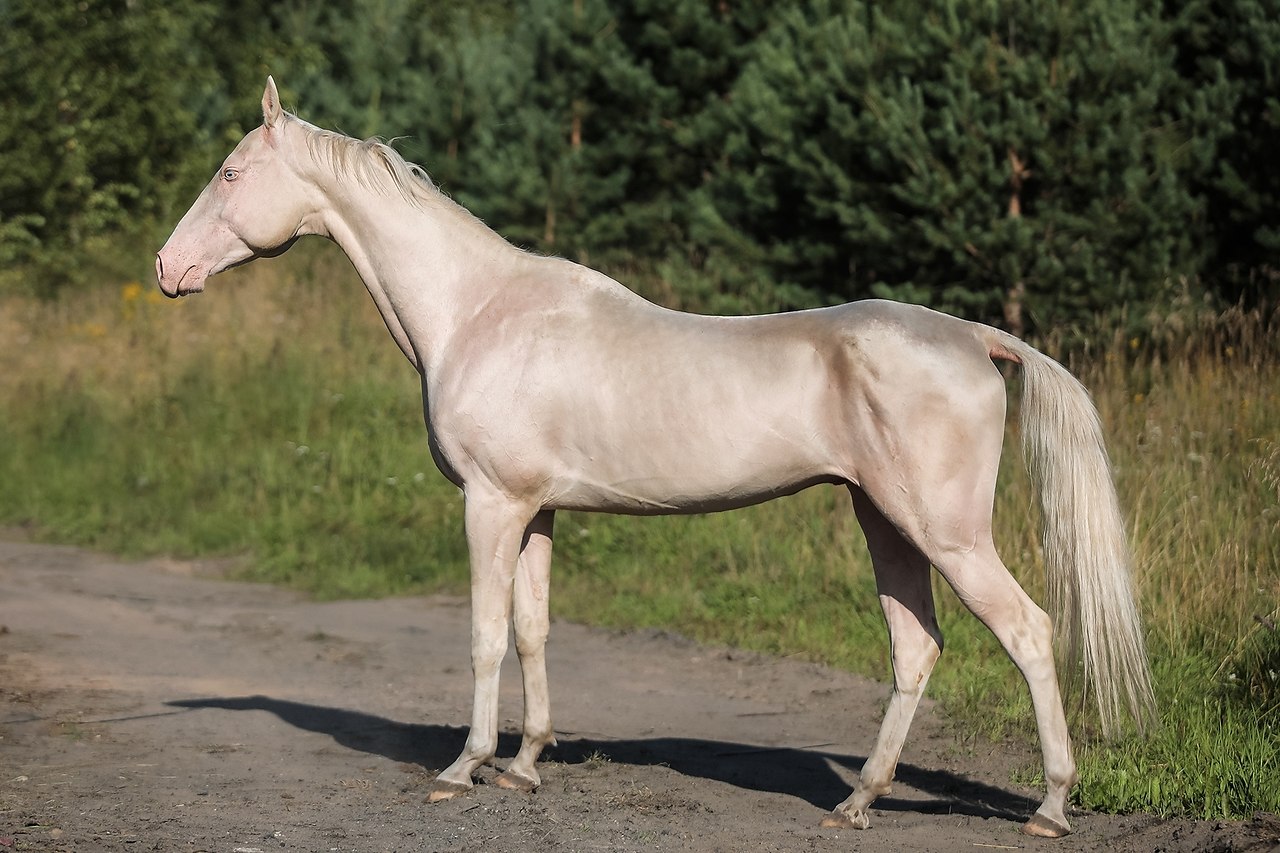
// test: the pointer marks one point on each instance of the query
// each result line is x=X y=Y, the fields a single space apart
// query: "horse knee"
x=527 y=648
x=487 y=654
x=531 y=637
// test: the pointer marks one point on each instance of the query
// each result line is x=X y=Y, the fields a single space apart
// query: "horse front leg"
x=533 y=623
x=495 y=526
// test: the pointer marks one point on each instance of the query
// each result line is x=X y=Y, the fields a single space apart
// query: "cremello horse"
x=549 y=386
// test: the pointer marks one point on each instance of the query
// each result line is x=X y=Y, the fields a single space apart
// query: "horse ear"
x=271 y=110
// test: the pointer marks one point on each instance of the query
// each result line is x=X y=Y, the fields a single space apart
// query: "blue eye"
x=230 y=174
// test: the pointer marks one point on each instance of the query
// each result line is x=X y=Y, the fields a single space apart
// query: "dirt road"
x=153 y=706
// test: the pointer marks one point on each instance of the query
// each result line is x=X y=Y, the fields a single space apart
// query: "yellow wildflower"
x=89 y=330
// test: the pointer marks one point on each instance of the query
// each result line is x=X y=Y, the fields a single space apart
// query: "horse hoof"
x=441 y=791
x=1041 y=827
x=515 y=782
x=840 y=820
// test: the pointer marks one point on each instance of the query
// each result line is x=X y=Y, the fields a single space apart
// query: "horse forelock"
x=372 y=162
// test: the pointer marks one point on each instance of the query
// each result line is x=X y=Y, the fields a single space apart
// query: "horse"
x=548 y=386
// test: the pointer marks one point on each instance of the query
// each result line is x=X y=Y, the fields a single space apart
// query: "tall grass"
x=271 y=420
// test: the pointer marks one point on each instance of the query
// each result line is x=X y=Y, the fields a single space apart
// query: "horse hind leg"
x=953 y=530
x=902 y=581
x=1025 y=631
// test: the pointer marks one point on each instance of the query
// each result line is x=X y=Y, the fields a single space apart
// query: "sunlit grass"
x=273 y=421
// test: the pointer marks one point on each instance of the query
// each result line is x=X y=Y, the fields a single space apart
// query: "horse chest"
x=492 y=443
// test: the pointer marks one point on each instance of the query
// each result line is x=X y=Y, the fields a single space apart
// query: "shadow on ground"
x=805 y=773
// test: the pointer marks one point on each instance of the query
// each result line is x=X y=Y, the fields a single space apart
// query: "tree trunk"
x=1013 y=298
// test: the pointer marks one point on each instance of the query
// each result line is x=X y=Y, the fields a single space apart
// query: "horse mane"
x=373 y=163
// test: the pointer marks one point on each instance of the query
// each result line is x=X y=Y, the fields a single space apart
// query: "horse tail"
x=1086 y=554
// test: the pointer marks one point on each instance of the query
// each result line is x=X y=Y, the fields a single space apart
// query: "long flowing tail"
x=1086 y=554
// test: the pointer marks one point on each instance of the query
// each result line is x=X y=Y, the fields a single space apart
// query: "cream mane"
x=372 y=162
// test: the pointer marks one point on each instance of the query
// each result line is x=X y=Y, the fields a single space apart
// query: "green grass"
x=272 y=420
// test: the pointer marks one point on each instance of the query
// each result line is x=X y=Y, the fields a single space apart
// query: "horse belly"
x=682 y=454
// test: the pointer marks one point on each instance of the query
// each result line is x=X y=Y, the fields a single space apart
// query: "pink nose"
x=168 y=288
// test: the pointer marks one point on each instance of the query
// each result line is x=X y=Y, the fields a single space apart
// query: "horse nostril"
x=159 y=268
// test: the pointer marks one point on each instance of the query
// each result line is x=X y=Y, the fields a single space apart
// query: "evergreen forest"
x=1032 y=164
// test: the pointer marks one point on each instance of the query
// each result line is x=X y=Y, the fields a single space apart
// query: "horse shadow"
x=808 y=774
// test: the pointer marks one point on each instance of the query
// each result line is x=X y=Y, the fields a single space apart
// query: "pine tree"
x=556 y=167
x=595 y=142
x=1005 y=161
x=1228 y=55
x=95 y=124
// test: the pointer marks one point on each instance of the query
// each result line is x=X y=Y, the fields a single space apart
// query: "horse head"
x=255 y=206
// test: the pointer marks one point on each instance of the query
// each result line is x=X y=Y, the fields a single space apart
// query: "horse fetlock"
x=445 y=789
x=1044 y=827
x=851 y=819
x=536 y=740
x=512 y=780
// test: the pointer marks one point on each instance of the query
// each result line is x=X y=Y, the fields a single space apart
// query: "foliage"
x=589 y=146
x=94 y=123
x=1028 y=164
x=971 y=156
x=1228 y=57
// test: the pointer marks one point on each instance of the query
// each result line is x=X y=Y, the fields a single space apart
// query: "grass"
x=272 y=420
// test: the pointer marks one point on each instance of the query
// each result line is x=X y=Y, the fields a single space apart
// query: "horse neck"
x=418 y=261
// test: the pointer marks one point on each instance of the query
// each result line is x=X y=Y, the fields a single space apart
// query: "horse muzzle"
x=174 y=283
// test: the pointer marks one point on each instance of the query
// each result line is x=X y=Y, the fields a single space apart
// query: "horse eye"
x=229 y=174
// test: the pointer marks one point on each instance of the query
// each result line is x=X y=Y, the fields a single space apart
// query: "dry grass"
x=129 y=341
x=272 y=417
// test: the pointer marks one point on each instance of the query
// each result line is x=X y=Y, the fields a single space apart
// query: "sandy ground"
x=153 y=706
